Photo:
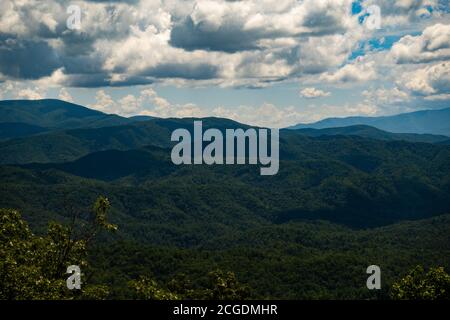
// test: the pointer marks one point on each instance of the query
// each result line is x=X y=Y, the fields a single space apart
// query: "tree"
x=225 y=286
x=221 y=286
x=145 y=288
x=418 y=285
x=34 y=267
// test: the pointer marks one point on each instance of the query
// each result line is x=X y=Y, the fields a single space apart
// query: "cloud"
x=430 y=81
x=395 y=14
x=359 y=71
x=265 y=115
x=148 y=102
x=388 y=100
x=432 y=45
x=271 y=115
x=312 y=93
x=104 y=102
x=382 y=96
x=233 y=26
x=65 y=95
x=241 y=44
x=26 y=59
x=31 y=94
x=125 y=43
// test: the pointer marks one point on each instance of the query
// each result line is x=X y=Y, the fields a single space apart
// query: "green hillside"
x=423 y=122
x=342 y=200
x=374 y=133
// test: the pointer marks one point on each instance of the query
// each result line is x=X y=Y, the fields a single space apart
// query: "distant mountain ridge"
x=373 y=133
x=57 y=131
x=421 y=122
x=20 y=118
x=67 y=145
x=52 y=113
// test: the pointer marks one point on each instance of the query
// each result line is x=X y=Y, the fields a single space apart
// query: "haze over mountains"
x=425 y=121
x=27 y=117
x=58 y=131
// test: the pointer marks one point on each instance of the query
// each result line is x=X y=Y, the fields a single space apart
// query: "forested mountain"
x=27 y=117
x=343 y=199
x=374 y=133
x=425 y=121
x=66 y=145
x=18 y=129
x=53 y=113
x=345 y=179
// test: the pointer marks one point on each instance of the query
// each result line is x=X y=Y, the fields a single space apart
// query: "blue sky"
x=267 y=62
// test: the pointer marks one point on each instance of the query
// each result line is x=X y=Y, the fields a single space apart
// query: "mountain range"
x=24 y=117
x=422 y=122
x=351 y=196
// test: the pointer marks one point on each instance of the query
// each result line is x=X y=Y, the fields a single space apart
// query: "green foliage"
x=220 y=286
x=225 y=286
x=34 y=267
x=147 y=289
x=418 y=285
x=337 y=205
x=297 y=260
x=101 y=207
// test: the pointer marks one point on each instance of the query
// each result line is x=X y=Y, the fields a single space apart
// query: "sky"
x=271 y=63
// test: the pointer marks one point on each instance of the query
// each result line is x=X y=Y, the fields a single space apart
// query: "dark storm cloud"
x=98 y=80
x=227 y=38
x=27 y=59
x=321 y=23
x=185 y=71
x=82 y=64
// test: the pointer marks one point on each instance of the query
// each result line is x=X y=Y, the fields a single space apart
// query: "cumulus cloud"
x=103 y=102
x=232 y=26
x=140 y=42
x=65 y=95
x=247 y=43
x=359 y=71
x=430 y=81
x=432 y=45
x=399 y=13
x=387 y=100
x=311 y=93
x=385 y=96
x=148 y=102
x=26 y=59
x=137 y=42
x=30 y=94
x=271 y=115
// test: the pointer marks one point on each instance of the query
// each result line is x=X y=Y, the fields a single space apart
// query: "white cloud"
x=65 y=95
x=401 y=13
x=104 y=102
x=359 y=71
x=148 y=102
x=31 y=94
x=385 y=96
x=270 y=115
x=429 y=81
x=137 y=43
x=433 y=44
x=311 y=93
